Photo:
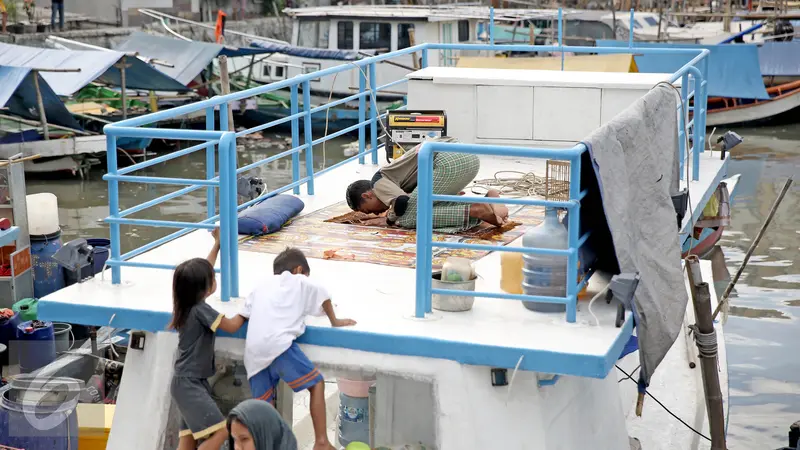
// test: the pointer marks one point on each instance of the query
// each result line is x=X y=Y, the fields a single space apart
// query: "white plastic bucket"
x=42 y=214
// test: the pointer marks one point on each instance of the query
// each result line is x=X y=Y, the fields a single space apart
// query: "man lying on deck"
x=393 y=191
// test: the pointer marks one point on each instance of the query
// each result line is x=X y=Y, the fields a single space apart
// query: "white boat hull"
x=754 y=112
x=678 y=387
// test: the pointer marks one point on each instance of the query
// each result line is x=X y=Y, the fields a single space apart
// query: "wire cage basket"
x=557 y=180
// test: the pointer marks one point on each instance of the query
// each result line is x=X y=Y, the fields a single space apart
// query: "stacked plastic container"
x=545 y=275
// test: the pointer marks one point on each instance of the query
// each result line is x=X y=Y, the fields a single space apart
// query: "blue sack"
x=270 y=215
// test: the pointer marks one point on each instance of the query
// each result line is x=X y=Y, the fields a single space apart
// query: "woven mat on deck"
x=335 y=233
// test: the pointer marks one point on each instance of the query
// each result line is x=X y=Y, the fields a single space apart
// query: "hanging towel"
x=635 y=160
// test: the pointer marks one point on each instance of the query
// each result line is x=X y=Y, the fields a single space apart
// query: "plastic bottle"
x=511 y=272
x=545 y=275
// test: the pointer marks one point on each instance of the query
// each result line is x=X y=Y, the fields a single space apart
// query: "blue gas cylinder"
x=48 y=275
x=38 y=425
x=353 y=419
x=37 y=346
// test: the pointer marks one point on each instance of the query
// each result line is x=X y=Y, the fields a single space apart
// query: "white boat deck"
x=495 y=333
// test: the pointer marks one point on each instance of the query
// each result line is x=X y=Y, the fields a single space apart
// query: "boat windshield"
x=313 y=33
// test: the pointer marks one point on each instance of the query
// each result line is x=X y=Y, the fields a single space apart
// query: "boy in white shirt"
x=276 y=310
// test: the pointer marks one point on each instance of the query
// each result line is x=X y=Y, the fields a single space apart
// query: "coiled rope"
x=706 y=342
x=522 y=184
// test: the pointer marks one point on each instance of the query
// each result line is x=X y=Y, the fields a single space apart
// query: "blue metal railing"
x=425 y=240
x=223 y=143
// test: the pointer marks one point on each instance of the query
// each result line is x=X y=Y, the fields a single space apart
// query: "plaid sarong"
x=452 y=172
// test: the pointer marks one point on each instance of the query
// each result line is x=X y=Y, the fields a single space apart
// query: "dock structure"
x=432 y=368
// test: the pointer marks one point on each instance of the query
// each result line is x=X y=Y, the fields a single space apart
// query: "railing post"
x=491 y=26
x=573 y=232
x=683 y=114
x=699 y=119
x=296 y=137
x=561 y=36
x=424 y=62
x=362 y=116
x=113 y=207
x=210 y=165
x=308 y=138
x=373 y=113
x=424 y=228
x=630 y=30
x=224 y=222
x=233 y=219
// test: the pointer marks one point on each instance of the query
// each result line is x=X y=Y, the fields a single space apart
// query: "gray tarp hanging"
x=188 y=58
x=93 y=65
x=635 y=157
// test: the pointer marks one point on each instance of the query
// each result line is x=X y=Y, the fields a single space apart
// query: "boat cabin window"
x=636 y=24
x=314 y=34
x=651 y=21
x=374 y=36
x=344 y=35
x=404 y=35
x=463 y=30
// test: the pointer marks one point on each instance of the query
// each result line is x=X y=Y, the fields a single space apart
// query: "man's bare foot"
x=324 y=446
x=493 y=193
x=493 y=214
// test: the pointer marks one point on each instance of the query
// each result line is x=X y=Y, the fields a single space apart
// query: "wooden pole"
x=250 y=72
x=40 y=105
x=57 y=127
x=124 y=87
x=225 y=86
x=726 y=23
x=412 y=40
x=727 y=293
x=706 y=339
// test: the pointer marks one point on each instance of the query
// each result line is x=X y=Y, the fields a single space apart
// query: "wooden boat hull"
x=783 y=107
x=708 y=238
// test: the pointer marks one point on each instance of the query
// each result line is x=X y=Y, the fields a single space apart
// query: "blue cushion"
x=270 y=215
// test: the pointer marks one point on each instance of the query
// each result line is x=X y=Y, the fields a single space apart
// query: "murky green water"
x=764 y=373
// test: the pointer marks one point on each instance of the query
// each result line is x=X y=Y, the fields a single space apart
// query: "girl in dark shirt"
x=197 y=323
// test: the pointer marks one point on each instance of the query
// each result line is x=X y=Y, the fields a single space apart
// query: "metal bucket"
x=452 y=303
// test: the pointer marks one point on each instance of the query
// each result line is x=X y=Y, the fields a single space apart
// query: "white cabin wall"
x=493 y=111
x=145 y=388
x=404 y=411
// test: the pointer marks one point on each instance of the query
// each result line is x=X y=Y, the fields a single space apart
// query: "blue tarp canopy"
x=189 y=58
x=779 y=59
x=733 y=70
x=93 y=65
x=18 y=94
x=306 y=52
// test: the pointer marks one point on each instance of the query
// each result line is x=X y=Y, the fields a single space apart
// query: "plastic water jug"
x=42 y=214
x=545 y=275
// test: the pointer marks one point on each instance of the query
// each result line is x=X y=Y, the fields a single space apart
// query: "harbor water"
x=761 y=329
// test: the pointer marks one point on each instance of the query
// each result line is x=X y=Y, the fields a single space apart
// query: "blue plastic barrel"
x=8 y=332
x=39 y=426
x=353 y=419
x=37 y=346
x=101 y=249
x=48 y=276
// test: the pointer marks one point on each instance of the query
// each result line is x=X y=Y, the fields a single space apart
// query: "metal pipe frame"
x=693 y=78
x=425 y=242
